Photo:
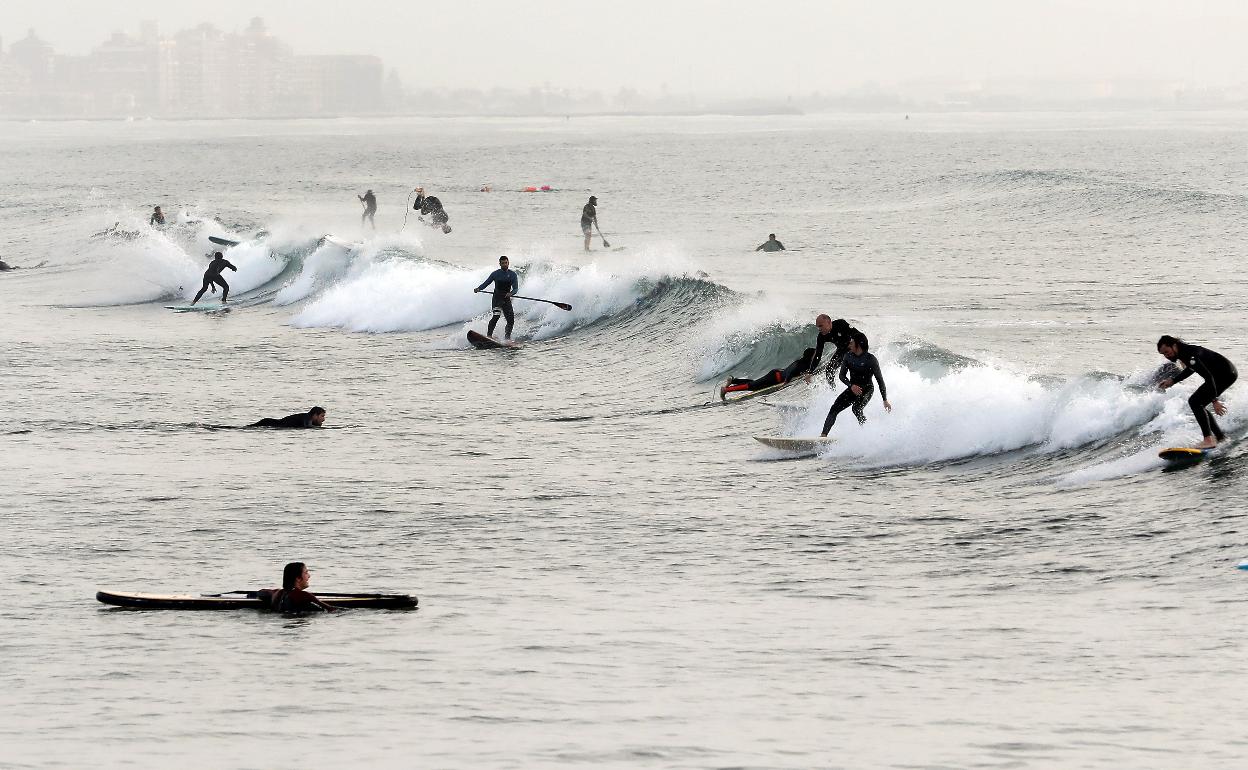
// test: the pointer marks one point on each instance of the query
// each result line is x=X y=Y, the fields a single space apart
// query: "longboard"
x=746 y=395
x=209 y=308
x=242 y=600
x=1178 y=456
x=222 y=241
x=482 y=342
x=795 y=444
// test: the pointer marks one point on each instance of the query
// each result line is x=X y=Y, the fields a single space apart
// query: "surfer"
x=313 y=418
x=857 y=370
x=1218 y=374
x=293 y=596
x=429 y=205
x=212 y=277
x=157 y=218
x=770 y=379
x=506 y=283
x=771 y=244
x=589 y=219
x=369 y=202
x=837 y=332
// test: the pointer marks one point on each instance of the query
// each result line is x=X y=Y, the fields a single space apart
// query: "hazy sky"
x=712 y=46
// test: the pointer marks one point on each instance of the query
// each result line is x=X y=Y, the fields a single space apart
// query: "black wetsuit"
x=301 y=420
x=774 y=377
x=430 y=206
x=771 y=245
x=1218 y=373
x=856 y=370
x=293 y=601
x=840 y=346
x=6 y=266
x=370 y=208
x=506 y=283
x=213 y=275
x=589 y=215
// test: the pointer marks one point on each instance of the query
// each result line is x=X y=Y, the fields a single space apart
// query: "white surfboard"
x=795 y=443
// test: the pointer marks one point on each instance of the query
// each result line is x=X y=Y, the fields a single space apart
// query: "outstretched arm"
x=230 y=265
x=486 y=283
x=879 y=377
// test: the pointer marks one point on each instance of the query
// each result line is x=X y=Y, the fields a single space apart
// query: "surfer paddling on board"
x=293 y=597
x=770 y=379
x=506 y=283
x=1218 y=374
x=589 y=219
x=430 y=206
x=369 y=201
x=212 y=277
x=313 y=418
x=858 y=367
x=837 y=332
x=771 y=244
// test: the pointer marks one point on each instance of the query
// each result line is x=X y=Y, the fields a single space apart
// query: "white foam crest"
x=728 y=340
x=976 y=411
x=336 y=260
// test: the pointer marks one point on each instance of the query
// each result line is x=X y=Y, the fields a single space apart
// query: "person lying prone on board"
x=772 y=378
x=313 y=418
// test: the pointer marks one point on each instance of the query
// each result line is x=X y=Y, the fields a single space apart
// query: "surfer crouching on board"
x=770 y=379
x=857 y=370
x=293 y=597
x=313 y=418
x=1218 y=374
x=838 y=333
x=212 y=277
x=506 y=283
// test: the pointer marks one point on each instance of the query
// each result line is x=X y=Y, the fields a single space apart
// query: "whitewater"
x=999 y=572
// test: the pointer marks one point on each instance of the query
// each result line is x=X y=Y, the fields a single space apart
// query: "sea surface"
x=612 y=573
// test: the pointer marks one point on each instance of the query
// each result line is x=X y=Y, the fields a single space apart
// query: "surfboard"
x=348 y=245
x=746 y=395
x=222 y=241
x=482 y=342
x=795 y=443
x=1177 y=456
x=241 y=600
x=206 y=308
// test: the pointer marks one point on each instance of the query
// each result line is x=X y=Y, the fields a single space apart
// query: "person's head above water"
x=1169 y=347
x=295 y=575
x=218 y=255
x=858 y=343
x=771 y=236
x=316 y=416
x=158 y=209
x=593 y=199
x=503 y=262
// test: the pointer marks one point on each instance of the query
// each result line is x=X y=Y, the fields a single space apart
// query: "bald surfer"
x=771 y=244
x=589 y=219
x=430 y=206
x=858 y=368
x=506 y=283
x=838 y=333
x=313 y=418
x=1218 y=374
x=369 y=201
x=212 y=277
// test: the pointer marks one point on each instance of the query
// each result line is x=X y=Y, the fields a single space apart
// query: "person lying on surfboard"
x=313 y=418
x=293 y=596
x=838 y=333
x=212 y=277
x=857 y=370
x=1218 y=374
x=506 y=283
x=770 y=379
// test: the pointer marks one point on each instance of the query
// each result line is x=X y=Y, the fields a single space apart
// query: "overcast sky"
x=710 y=46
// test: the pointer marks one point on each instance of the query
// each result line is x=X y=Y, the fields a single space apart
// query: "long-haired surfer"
x=506 y=283
x=858 y=368
x=293 y=597
x=1218 y=374
x=212 y=277
x=430 y=206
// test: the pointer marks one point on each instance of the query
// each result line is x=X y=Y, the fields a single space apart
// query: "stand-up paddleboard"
x=211 y=307
x=795 y=444
x=482 y=342
x=222 y=241
x=1179 y=456
x=246 y=600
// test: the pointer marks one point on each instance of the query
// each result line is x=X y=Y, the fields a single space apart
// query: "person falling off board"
x=1218 y=374
x=212 y=277
x=430 y=206
x=506 y=283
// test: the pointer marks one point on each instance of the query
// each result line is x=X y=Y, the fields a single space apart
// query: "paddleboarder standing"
x=369 y=201
x=1218 y=374
x=589 y=219
x=506 y=283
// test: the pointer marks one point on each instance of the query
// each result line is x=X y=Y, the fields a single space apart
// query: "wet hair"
x=840 y=325
x=500 y=259
x=291 y=574
x=217 y=254
x=1166 y=339
x=316 y=410
x=771 y=236
x=861 y=339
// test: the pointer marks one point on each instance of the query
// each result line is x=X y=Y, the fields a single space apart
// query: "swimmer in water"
x=771 y=244
x=313 y=418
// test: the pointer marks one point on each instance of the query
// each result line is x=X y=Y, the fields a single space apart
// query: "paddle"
x=560 y=305
x=605 y=245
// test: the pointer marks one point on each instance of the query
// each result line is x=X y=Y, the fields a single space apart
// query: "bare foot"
x=1209 y=443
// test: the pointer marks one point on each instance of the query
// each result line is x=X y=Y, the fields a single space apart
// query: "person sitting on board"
x=430 y=206
x=157 y=218
x=1218 y=374
x=293 y=597
x=771 y=244
x=770 y=379
x=370 y=208
x=506 y=283
x=857 y=369
x=837 y=332
x=313 y=418
x=589 y=219
x=212 y=277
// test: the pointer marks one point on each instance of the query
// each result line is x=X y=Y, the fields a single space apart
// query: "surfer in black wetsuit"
x=430 y=206
x=293 y=597
x=506 y=283
x=1218 y=374
x=771 y=244
x=157 y=218
x=770 y=379
x=589 y=219
x=313 y=418
x=838 y=333
x=858 y=368
x=5 y=266
x=370 y=208
x=212 y=277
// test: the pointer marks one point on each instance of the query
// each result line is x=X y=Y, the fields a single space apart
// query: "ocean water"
x=612 y=573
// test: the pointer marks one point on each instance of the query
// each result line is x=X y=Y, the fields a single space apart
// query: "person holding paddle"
x=589 y=220
x=506 y=283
